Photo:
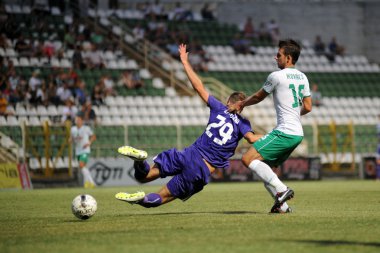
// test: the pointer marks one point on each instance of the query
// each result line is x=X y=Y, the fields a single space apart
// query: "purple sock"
x=141 y=169
x=151 y=200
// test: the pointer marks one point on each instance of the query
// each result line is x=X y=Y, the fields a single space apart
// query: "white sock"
x=266 y=174
x=87 y=175
x=270 y=189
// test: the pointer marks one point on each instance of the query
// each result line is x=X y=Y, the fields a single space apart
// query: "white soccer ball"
x=84 y=206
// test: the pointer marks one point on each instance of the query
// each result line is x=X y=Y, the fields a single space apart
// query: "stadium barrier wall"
x=120 y=172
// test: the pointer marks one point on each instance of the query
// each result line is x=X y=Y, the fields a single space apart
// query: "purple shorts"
x=189 y=171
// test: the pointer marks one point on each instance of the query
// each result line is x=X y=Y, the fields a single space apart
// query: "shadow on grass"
x=221 y=212
x=339 y=243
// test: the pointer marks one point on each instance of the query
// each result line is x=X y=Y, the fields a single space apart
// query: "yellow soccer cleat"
x=131 y=198
x=89 y=185
x=133 y=153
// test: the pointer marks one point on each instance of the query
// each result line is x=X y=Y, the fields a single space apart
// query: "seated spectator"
x=48 y=49
x=4 y=105
x=38 y=96
x=139 y=32
x=181 y=14
x=316 y=95
x=80 y=91
x=64 y=93
x=207 y=13
x=77 y=58
x=274 y=31
x=335 y=48
x=4 y=41
x=97 y=94
x=94 y=59
x=52 y=96
x=156 y=9
x=198 y=57
x=319 y=46
x=35 y=81
x=262 y=32
x=130 y=80
x=240 y=45
x=248 y=28
x=108 y=85
x=23 y=47
x=69 y=110
x=89 y=113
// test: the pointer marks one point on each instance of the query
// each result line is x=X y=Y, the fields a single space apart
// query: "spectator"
x=181 y=14
x=38 y=96
x=77 y=58
x=108 y=85
x=156 y=9
x=89 y=113
x=262 y=32
x=273 y=31
x=248 y=28
x=80 y=92
x=240 y=45
x=198 y=58
x=4 y=41
x=319 y=46
x=64 y=93
x=69 y=110
x=48 y=49
x=35 y=82
x=97 y=95
x=316 y=95
x=335 y=48
x=139 y=32
x=52 y=96
x=94 y=59
x=130 y=80
x=207 y=13
x=3 y=105
x=23 y=47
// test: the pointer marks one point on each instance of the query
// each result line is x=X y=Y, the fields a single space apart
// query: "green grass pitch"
x=329 y=216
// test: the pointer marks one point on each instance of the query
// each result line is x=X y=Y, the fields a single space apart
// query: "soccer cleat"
x=131 y=198
x=277 y=209
x=89 y=185
x=133 y=153
x=284 y=196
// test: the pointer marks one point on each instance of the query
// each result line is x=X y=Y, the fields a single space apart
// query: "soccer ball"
x=84 y=206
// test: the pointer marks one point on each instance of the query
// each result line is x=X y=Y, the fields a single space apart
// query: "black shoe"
x=284 y=196
x=277 y=209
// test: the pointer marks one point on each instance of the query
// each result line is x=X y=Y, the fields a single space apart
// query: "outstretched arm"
x=193 y=77
x=251 y=100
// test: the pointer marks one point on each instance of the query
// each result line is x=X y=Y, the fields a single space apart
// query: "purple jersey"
x=223 y=133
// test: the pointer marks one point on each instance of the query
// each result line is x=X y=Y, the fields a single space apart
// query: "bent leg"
x=253 y=160
x=144 y=174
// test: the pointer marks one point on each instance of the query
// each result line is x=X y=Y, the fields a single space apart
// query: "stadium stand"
x=155 y=116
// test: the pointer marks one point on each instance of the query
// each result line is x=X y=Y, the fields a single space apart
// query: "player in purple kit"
x=192 y=167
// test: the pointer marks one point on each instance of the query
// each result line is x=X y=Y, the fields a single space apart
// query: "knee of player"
x=246 y=159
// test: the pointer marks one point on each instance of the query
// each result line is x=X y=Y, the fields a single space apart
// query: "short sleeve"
x=271 y=83
x=214 y=103
x=245 y=126
x=306 y=90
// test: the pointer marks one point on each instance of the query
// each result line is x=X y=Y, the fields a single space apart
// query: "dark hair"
x=292 y=48
x=236 y=96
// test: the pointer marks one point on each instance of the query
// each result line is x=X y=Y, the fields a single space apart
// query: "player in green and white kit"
x=291 y=96
x=83 y=137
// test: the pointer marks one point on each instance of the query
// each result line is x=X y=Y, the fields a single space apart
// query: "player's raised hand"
x=182 y=52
